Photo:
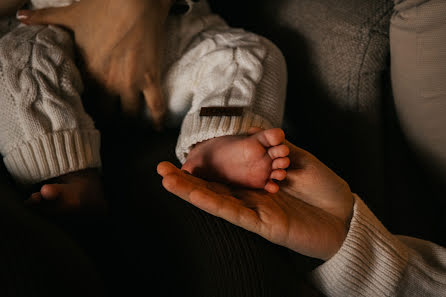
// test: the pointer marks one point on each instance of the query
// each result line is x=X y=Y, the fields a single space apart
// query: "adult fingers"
x=204 y=196
x=166 y=168
x=63 y=16
x=223 y=206
x=178 y=184
x=154 y=98
x=227 y=208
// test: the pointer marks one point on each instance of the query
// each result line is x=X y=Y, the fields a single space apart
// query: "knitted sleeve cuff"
x=54 y=154
x=371 y=262
x=196 y=129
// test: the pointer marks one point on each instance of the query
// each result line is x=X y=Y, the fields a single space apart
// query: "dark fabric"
x=36 y=257
x=7 y=24
x=152 y=242
x=176 y=249
x=340 y=105
x=39 y=256
x=337 y=54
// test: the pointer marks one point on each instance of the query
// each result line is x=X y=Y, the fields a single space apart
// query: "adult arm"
x=120 y=45
x=320 y=217
x=374 y=262
x=311 y=217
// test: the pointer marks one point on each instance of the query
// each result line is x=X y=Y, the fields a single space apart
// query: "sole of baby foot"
x=253 y=161
x=272 y=142
x=74 y=193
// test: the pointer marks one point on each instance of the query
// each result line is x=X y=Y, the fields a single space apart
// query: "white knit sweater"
x=372 y=262
x=44 y=131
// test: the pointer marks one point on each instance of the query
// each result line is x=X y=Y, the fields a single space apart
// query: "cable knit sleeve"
x=44 y=130
x=225 y=67
x=373 y=262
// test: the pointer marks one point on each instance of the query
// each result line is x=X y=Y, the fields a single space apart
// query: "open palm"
x=296 y=219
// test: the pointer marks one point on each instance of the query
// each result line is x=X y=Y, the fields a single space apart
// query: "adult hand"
x=120 y=42
x=311 y=214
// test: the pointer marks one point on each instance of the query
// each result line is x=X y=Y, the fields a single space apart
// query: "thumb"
x=62 y=16
x=165 y=168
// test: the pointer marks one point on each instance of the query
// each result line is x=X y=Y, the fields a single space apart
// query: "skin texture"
x=310 y=215
x=252 y=161
x=121 y=46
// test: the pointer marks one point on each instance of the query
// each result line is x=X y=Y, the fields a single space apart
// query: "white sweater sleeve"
x=374 y=262
x=44 y=130
x=225 y=67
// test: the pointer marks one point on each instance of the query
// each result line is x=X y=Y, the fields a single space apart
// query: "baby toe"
x=270 y=137
x=281 y=163
x=52 y=191
x=279 y=151
x=271 y=187
x=278 y=174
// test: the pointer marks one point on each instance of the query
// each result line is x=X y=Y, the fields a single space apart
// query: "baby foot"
x=252 y=161
x=77 y=192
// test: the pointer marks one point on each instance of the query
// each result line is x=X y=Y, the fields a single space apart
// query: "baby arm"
x=233 y=68
x=44 y=131
x=226 y=68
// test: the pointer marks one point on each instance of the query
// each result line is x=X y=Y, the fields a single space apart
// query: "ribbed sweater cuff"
x=196 y=129
x=370 y=262
x=55 y=154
